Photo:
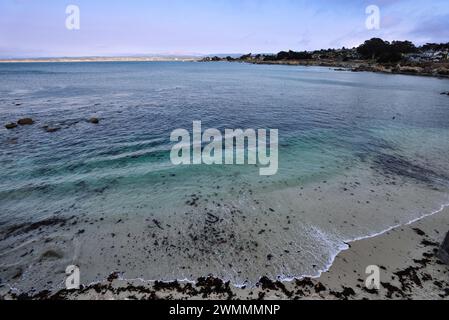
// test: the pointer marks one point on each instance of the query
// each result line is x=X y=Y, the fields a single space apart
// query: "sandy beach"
x=406 y=256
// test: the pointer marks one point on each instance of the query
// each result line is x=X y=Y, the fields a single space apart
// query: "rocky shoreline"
x=440 y=70
x=374 y=55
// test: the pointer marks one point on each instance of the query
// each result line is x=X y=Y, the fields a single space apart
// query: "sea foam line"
x=346 y=246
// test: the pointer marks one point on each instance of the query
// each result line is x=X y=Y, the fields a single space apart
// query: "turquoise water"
x=335 y=128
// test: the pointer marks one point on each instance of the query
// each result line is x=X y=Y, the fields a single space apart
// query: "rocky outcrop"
x=413 y=70
x=11 y=125
x=25 y=121
x=442 y=72
x=371 y=68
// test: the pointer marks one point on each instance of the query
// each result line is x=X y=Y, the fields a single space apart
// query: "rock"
x=442 y=71
x=412 y=70
x=443 y=253
x=50 y=130
x=11 y=125
x=362 y=68
x=94 y=120
x=25 y=121
x=51 y=255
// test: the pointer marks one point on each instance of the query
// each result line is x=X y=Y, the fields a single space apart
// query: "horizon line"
x=175 y=55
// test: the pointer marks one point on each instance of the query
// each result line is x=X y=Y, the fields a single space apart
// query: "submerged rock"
x=25 y=121
x=50 y=130
x=443 y=253
x=51 y=255
x=11 y=125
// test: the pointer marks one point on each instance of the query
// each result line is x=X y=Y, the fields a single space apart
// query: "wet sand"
x=406 y=256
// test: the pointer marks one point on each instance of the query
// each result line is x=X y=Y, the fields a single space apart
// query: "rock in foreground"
x=11 y=125
x=25 y=121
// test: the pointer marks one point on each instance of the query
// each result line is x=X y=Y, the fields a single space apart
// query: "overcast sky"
x=30 y=28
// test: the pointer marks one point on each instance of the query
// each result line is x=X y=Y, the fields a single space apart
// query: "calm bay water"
x=358 y=153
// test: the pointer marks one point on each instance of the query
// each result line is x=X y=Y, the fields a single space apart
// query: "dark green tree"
x=403 y=47
x=373 y=48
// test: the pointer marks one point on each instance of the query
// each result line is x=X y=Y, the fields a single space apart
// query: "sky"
x=30 y=28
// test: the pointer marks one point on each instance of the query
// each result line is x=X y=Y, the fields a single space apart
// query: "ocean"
x=359 y=153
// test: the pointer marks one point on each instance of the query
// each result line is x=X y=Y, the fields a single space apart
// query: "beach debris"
x=345 y=294
x=267 y=284
x=443 y=253
x=212 y=219
x=11 y=125
x=194 y=201
x=25 y=122
x=158 y=224
x=113 y=276
x=94 y=120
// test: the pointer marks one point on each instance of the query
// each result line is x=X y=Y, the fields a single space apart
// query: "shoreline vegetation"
x=375 y=55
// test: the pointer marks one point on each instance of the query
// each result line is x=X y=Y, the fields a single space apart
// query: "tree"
x=390 y=56
x=293 y=55
x=403 y=47
x=270 y=57
x=373 y=48
x=435 y=46
x=246 y=56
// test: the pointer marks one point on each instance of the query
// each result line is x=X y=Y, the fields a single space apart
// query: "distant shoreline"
x=101 y=59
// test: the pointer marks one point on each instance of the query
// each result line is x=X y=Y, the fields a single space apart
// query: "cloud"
x=208 y=26
x=434 y=30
